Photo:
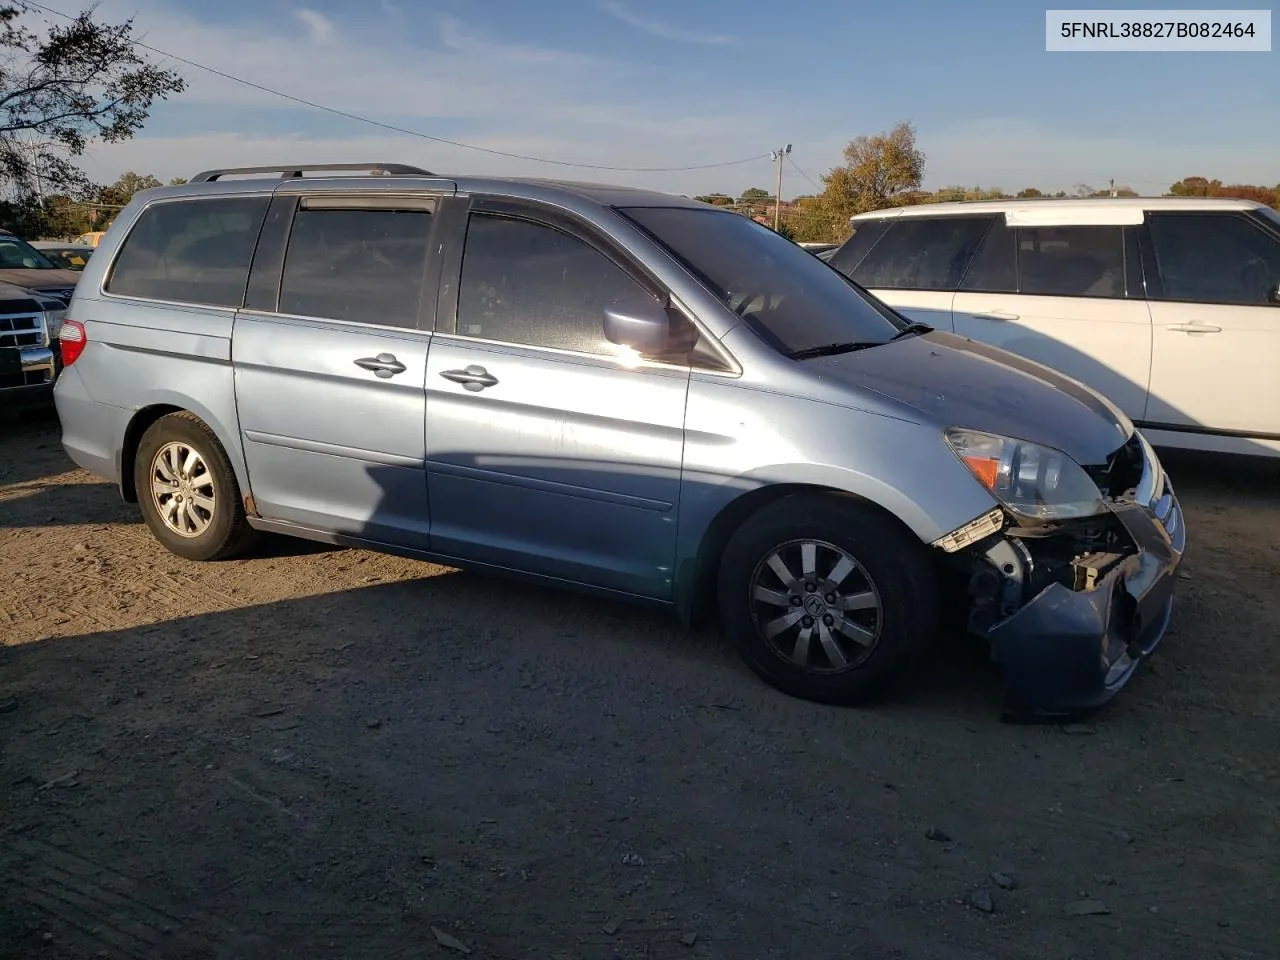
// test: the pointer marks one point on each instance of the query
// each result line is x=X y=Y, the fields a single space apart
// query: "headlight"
x=1033 y=481
x=53 y=322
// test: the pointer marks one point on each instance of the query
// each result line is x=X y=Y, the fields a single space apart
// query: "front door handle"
x=1196 y=327
x=384 y=365
x=473 y=378
x=995 y=315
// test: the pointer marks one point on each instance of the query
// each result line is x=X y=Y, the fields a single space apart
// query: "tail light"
x=73 y=339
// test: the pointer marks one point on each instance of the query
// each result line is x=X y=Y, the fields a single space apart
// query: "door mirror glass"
x=642 y=325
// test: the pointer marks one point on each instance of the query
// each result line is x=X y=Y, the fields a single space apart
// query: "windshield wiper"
x=831 y=349
x=911 y=329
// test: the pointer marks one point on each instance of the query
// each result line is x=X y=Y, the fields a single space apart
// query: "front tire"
x=827 y=599
x=187 y=491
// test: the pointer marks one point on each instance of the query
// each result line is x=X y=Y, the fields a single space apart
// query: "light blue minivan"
x=620 y=391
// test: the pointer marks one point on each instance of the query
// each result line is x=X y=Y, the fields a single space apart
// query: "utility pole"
x=1113 y=186
x=778 y=156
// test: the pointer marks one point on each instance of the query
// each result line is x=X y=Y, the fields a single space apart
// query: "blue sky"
x=647 y=83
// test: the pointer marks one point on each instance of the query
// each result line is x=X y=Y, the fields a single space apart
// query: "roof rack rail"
x=295 y=172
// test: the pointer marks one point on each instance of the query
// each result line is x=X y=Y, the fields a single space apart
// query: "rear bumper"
x=1067 y=652
x=92 y=432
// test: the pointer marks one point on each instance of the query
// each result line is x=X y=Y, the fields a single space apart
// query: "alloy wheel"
x=816 y=606
x=182 y=489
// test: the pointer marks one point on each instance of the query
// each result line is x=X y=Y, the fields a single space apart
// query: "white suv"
x=1169 y=306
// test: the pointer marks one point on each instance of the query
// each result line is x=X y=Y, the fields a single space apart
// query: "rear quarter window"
x=190 y=251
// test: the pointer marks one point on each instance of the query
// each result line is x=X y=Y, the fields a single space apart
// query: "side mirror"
x=642 y=325
x=1273 y=295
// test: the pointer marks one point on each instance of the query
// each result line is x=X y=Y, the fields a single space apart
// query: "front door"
x=330 y=358
x=549 y=449
x=1216 y=355
x=1067 y=297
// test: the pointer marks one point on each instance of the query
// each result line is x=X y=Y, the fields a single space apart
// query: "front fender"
x=742 y=443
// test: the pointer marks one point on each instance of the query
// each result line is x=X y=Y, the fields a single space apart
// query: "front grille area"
x=22 y=330
x=1123 y=470
x=31 y=378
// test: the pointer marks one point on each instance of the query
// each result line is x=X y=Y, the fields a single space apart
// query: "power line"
x=803 y=174
x=404 y=130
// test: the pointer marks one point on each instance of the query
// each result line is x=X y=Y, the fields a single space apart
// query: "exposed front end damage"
x=1071 y=607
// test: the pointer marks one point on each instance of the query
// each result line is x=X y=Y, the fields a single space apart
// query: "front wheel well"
x=143 y=419
x=699 y=602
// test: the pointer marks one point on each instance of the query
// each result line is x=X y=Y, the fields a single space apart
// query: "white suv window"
x=1071 y=261
x=1214 y=258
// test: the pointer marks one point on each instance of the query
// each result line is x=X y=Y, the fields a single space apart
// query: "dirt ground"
x=320 y=753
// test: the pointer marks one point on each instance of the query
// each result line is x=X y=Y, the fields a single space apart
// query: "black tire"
x=226 y=531
x=891 y=567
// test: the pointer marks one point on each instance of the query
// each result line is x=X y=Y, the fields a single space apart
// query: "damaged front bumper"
x=1074 y=644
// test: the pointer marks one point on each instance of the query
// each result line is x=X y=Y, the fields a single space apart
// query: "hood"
x=57 y=279
x=15 y=299
x=955 y=382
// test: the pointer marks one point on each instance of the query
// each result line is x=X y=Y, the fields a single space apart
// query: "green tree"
x=128 y=183
x=1029 y=193
x=755 y=195
x=177 y=181
x=1195 y=187
x=62 y=87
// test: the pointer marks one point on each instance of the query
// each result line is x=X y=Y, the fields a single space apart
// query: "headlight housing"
x=53 y=318
x=1033 y=481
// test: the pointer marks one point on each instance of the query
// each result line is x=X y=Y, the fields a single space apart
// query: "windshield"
x=792 y=298
x=1271 y=215
x=17 y=254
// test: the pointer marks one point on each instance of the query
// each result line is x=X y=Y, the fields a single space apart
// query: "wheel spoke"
x=857 y=601
x=204 y=503
x=856 y=632
x=170 y=508
x=809 y=560
x=800 y=654
x=189 y=465
x=774 y=597
x=840 y=572
x=787 y=620
x=205 y=480
x=832 y=649
x=779 y=567
x=165 y=468
x=194 y=519
x=163 y=488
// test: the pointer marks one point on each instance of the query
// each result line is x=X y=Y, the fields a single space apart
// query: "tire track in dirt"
x=106 y=908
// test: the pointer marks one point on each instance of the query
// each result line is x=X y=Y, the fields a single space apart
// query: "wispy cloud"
x=619 y=10
x=319 y=27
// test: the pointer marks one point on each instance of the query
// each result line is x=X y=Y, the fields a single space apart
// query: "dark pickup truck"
x=34 y=293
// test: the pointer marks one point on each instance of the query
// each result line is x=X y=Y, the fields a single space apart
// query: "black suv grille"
x=22 y=330
x=1123 y=470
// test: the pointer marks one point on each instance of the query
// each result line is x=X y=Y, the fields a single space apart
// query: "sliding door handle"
x=472 y=378
x=384 y=365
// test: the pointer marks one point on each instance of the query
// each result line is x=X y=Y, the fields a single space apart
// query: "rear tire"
x=827 y=599
x=187 y=491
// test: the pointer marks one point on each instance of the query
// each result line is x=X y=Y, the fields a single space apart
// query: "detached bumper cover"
x=1066 y=652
